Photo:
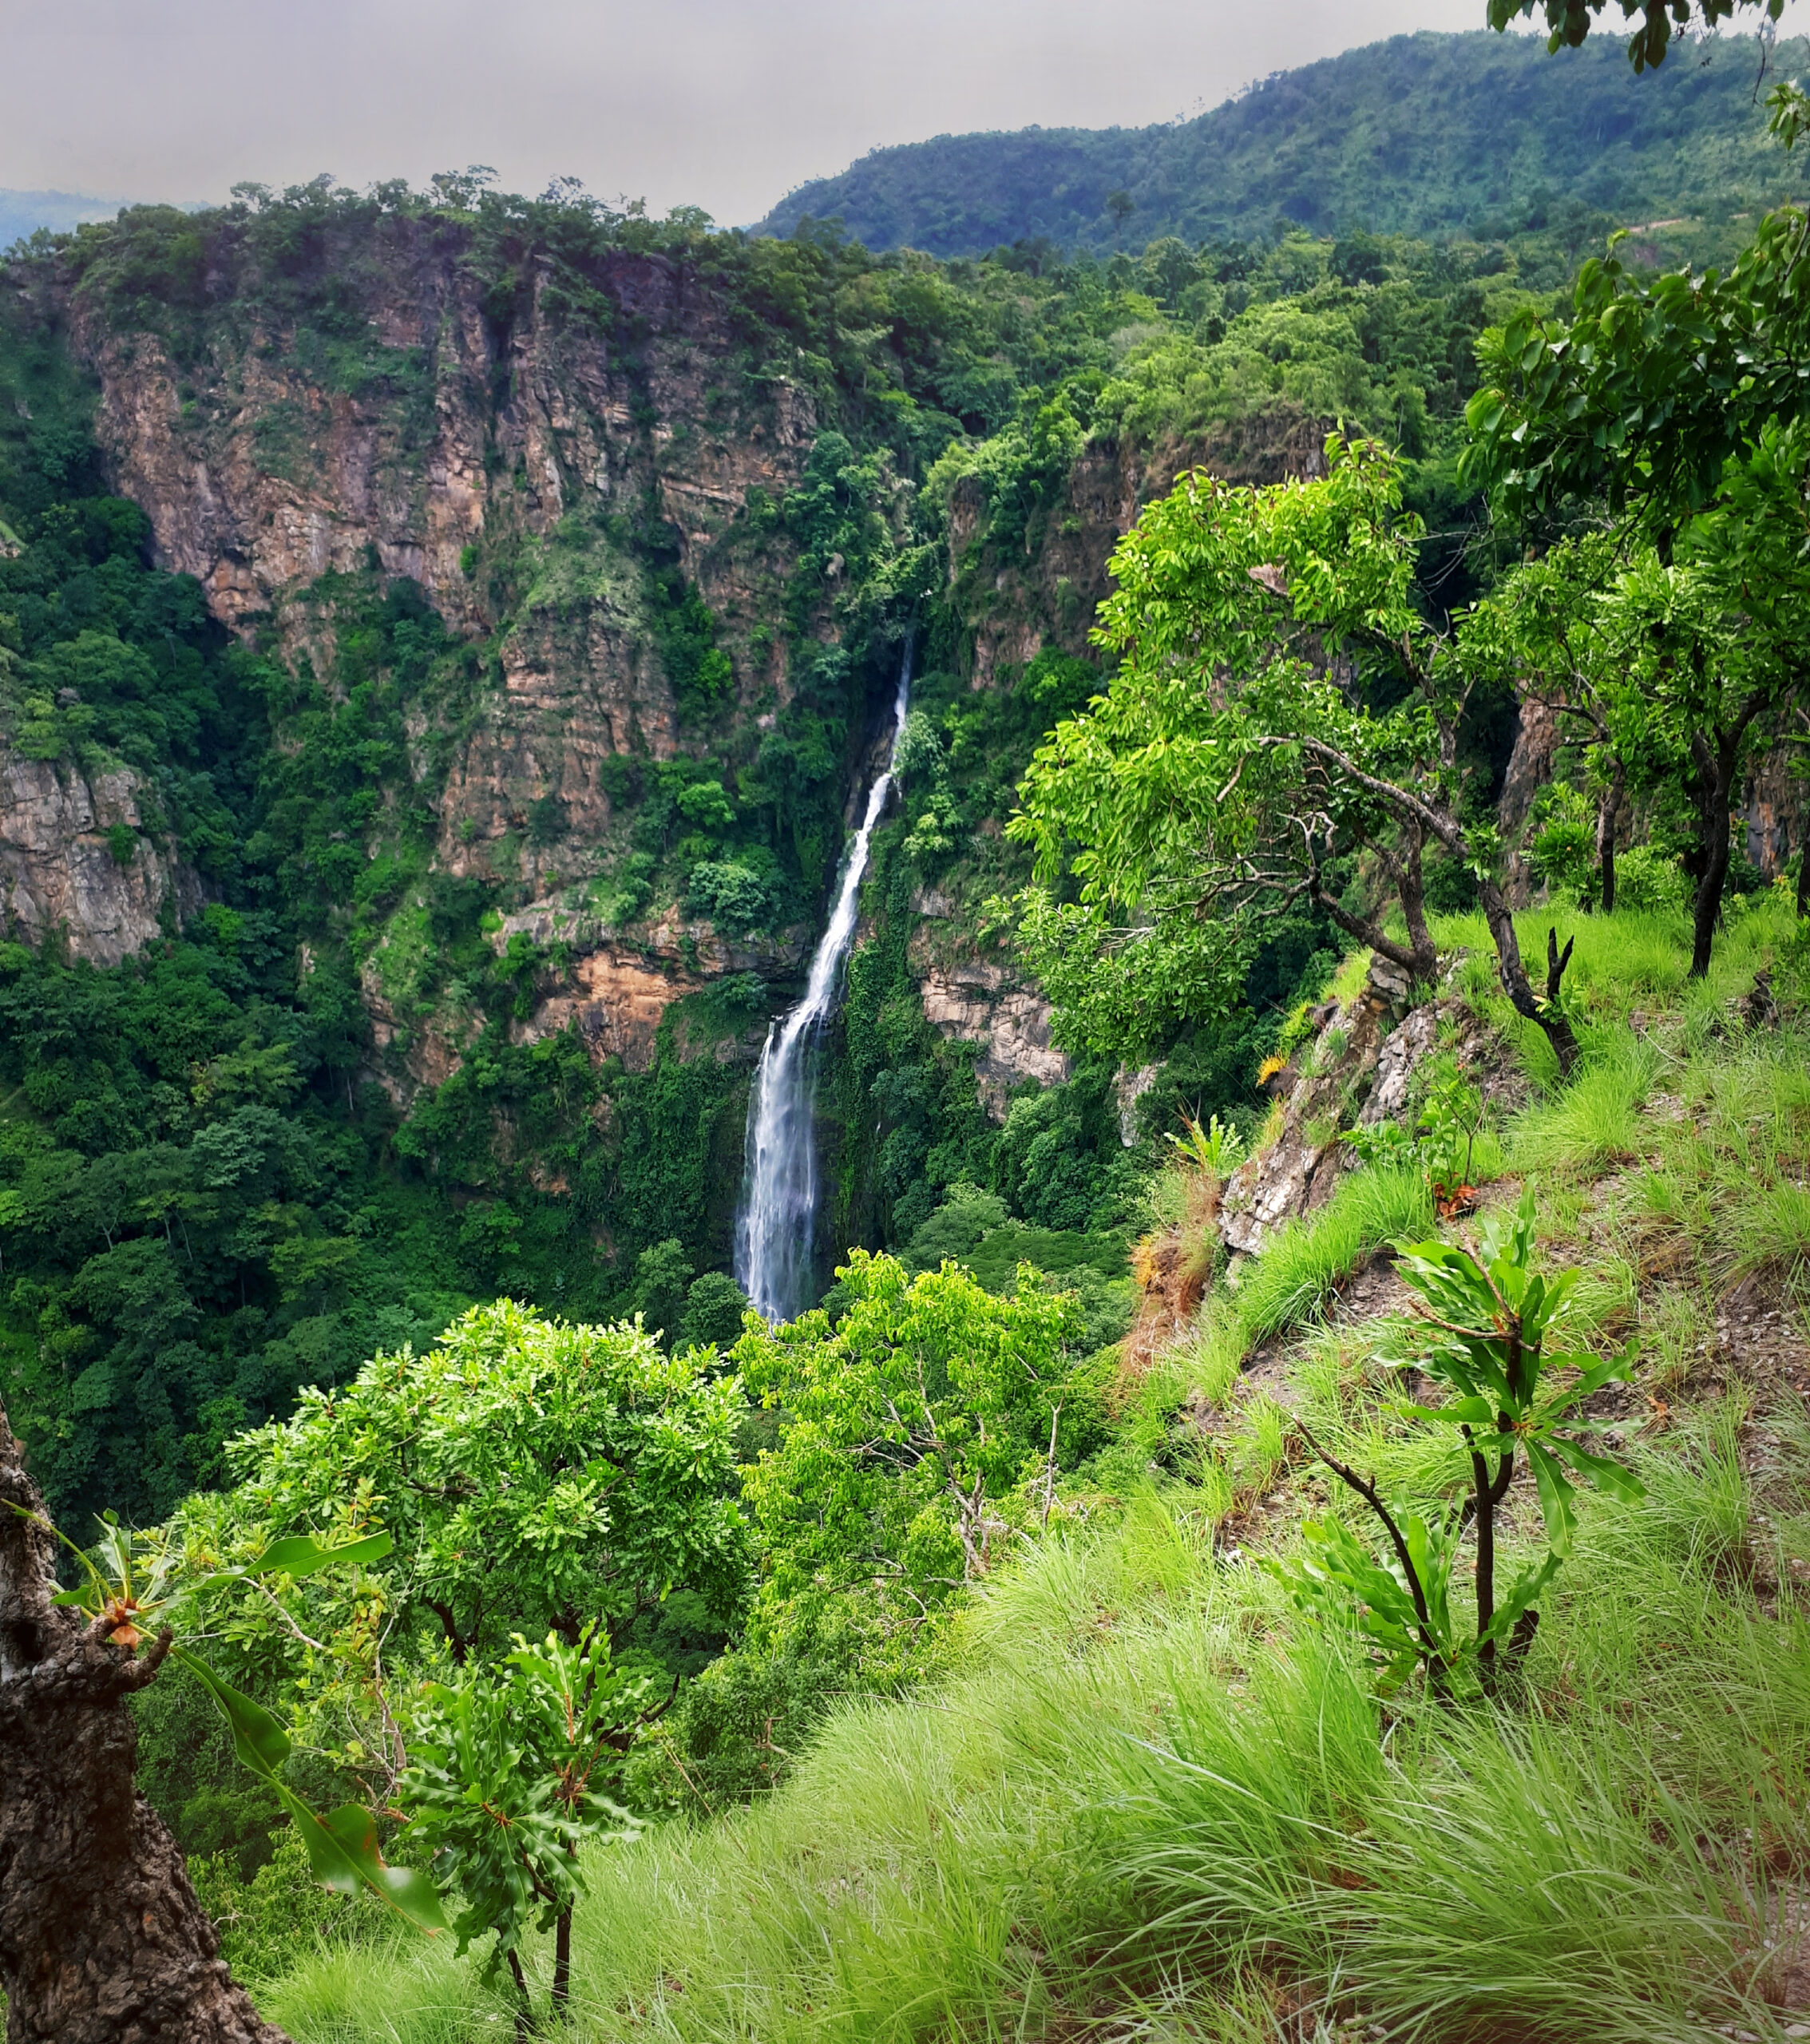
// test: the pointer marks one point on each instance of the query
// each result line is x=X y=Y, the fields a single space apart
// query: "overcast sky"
x=723 y=103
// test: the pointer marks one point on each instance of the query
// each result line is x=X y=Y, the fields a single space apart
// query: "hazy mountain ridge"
x=23 y=213
x=1424 y=134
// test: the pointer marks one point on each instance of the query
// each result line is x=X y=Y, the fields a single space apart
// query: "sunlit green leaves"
x=510 y=1775
x=907 y=1425
x=1489 y=1317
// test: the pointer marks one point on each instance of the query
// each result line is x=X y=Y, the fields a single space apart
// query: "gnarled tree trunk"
x=1515 y=984
x=102 y=1939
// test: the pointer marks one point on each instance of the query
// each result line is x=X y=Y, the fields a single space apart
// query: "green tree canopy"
x=1652 y=386
x=906 y=1425
x=532 y=1473
x=1281 y=707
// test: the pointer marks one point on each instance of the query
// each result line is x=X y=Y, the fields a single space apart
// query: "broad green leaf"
x=342 y=1851
x=1525 y=1587
x=1555 y=1495
x=259 y=1741
x=302 y=1554
x=1606 y=1475
x=1460 y=1412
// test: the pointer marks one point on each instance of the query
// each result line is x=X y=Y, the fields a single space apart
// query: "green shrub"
x=1647 y=879
x=269 y=1924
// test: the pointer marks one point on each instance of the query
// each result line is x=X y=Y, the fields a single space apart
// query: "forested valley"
x=1282 y=1513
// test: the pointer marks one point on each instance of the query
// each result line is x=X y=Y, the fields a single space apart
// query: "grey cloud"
x=725 y=104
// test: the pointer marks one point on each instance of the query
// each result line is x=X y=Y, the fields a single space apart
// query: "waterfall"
x=773 y=1228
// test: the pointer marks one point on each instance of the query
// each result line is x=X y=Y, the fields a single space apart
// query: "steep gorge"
x=521 y=466
x=556 y=565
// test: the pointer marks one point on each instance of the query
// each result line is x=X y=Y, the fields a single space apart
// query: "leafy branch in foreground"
x=1490 y=1316
x=531 y=1472
x=1568 y=22
x=100 y=1934
x=137 y=1591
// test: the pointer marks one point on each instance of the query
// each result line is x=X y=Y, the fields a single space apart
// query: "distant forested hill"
x=23 y=213
x=1420 y=135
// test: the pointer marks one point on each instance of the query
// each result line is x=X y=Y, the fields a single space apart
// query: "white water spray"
x=774 y=1229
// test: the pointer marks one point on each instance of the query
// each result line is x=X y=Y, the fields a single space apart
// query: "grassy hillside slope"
x=1150 y=1799
x=1424 y=134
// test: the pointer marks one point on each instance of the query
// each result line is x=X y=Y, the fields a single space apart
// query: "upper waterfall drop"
x=775 y=1227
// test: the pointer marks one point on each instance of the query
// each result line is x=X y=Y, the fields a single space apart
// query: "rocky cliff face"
x=455 y=422
x=512 y=461
x=1045 y=593
x=978 y=1000
x=555 y=477
x=75 y=864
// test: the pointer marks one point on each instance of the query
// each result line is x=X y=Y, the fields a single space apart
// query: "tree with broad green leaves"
x=1541 y=630
x=1679 y=400
x=1281 y=709
x=532 y=1473
x=511 y=1771
x=526 y=1472
x=1668 y=676
x=908 y=1425
x=1568 y=22
x=1652 y=386
x=1490 y=1334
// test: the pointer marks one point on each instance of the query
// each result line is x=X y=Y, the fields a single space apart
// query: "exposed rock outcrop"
x=618 y=986
x=1334 y=1076
x=74 y=860
x=1016 y=608
x=974 y=1000
x=1776 y=813
x=1537 y=735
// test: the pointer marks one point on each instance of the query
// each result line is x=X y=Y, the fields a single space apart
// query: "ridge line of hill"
x=1426 y=134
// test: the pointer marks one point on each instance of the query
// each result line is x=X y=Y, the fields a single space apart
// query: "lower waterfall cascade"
x=775 y=1224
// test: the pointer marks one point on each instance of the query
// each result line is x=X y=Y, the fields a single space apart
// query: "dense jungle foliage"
x=1428 y=134
x=211 y=1202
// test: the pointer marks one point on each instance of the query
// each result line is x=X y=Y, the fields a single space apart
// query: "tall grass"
x=1154 y=1789
x=1596 y=1119
x=1622 y=964
x=407 y=1993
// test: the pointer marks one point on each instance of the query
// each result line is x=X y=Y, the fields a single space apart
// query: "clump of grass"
x=1672 y=1332
x=1596 y=1119
x=405 y=1993
x=1770 y=1230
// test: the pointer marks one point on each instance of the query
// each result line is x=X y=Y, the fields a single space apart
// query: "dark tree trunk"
x=1411 y=884
x=1515 y=984
x=524 y=2008
x=1716 y=764
x=1486 y=1563
x=1419 y=957
x=1804 y=869
x=562 y=1963
x=1607 y=810
x=102 y=1939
